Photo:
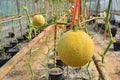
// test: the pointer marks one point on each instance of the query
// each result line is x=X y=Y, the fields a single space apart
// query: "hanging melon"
x=75 y=48
x=68 y=12
x=38 y=20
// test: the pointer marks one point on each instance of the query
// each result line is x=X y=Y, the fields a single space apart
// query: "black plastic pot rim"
x=6 y=57
x=21 y=38
x=14 y=41
x=7 y=45
x=13 y=51
x=57 y=73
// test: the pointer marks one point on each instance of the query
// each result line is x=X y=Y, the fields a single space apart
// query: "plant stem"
x=110 y=35
x=55 y=39
x=47 y=55
x=30 y=22
x=88 y=70
x=26 y=10
x=74 y=28
x=84 y=16
x=109 y=31
x=92 y=19
x=29 y=38
x=105 y=52
x=99 y=78
x=107 y=17
x=29 y=63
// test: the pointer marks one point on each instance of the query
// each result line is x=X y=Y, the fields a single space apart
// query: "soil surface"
x=21 y=70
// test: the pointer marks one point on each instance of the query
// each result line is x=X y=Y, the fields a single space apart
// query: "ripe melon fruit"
x=75 y=48
x=38 y=20
x=68 y=12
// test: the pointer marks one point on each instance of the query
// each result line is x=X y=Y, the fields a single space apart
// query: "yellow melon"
x=75 y=48
x=38 y=20
x=68 y=12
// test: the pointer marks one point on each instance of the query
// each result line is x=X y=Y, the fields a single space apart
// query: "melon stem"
x=74 y=28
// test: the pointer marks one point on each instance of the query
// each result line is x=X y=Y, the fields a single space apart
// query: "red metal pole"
x=79 y=11
x=74 y=13
x=77 y=8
